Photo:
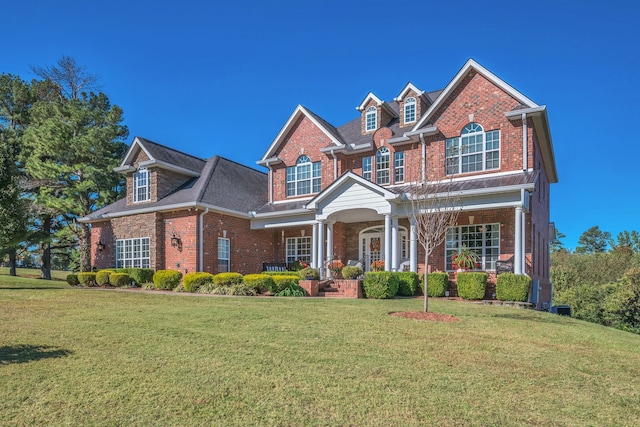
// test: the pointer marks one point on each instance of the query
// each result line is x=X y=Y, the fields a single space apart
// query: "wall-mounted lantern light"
x=100 y=246
x=176 y=242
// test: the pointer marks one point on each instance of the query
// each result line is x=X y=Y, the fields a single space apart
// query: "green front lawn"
x=95 y=357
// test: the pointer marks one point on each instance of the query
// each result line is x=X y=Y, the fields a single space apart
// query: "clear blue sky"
x=210 y=77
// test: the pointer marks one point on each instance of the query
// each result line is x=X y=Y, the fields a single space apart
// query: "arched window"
x=304 y=177
x=372 y=118
x=410 y=110
x=474 y=150
x=382 y=166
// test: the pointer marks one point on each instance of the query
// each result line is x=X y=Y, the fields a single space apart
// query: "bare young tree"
x=72 y=79
x=434 y=208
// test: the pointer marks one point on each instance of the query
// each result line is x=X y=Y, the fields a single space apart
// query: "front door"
x=373 y=249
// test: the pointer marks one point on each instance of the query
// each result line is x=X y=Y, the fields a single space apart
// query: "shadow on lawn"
x=30 y=353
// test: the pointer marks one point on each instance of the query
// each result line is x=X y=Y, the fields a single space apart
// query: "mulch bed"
x=421 y=315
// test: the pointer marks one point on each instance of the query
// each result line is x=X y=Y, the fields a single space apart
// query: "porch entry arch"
x=371 y=245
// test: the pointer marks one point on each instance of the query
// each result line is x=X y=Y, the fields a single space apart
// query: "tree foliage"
x=593 y=241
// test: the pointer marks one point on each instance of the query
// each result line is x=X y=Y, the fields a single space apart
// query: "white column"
x=413 y=248
x=321 y=249
x=387 y=242
x=517 y=246
x=329 y=245
x=314 y=246
x=524 y=242
x=394 y=243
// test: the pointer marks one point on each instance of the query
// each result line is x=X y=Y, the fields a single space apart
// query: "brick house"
x=342 y=192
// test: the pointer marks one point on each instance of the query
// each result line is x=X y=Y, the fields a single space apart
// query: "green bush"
x=240 y=290
x=102 y=277
x=621 y=306
x=472 y=285
x=351 y=272
x=166 y=279
x=438 y=284
x=120 y=279
x=380 y=284
x=227 y=279
x=139 y=275
x=292 y=290
x=87 y=279
x=280 y=273
x=72 y=279
x=207 y=288
x=259 y=282
x=309 y=274
x=407 y=283
x=192 y=281
x=282 y=282
x=513 y=287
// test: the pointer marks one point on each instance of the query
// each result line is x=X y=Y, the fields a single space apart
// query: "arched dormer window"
x=371 y=118
x=474 y=150
x=141 y=185
x=382 y=166
x=410 y=110
x=304 y=177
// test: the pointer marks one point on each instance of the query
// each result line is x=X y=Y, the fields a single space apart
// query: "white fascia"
x=407 y=88
x=169 y=167
x=124 y=169
x=174 y=207
x=406 y=137
x=366 y=99
x=128 y=158
x=517 y=114
x=290 y=212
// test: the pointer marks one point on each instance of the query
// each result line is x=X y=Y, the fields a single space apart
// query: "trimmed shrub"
x=280 y=273
x=227 y=279
x=438 y=284
x=380 y=284
x=192 y=281
x=292 y=290
x=72 y=280
x=351 y=272
x=282 y=282
x=240 y=290
x=207 y=288
x=102 y=277
x=472 y=285
x=513 y=287
x=309 y=274
x=120 y=279
x=259 y=282
x=149 y=286
x=407 y=283
x=166 y=279
x=87 y=279
x=139 y=275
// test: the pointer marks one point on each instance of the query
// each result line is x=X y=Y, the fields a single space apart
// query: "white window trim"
x=147 y=186
x=459 y=155
x=410 y=102
x=485 y=263
x=366 y=173
x=315 y=177
x=228 y=257
x=295 y=243
x=126 y=250
x=383 y=151
x=371 y=112
x=398 y=156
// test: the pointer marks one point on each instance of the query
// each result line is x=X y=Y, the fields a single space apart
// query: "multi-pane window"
x=398 y=166
x=371 y=118
x=224 y=255
x=410 y=110
x=483 y=239
x=141 y=187
x=304 y=177
x=298 y=248
x=366 y=168
x=382 y=166
x=133 y=253
x=474 y=150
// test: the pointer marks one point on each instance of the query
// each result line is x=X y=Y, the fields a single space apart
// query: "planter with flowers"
x=335 y=267
x=465 y=260
x=377 y=265
x=297 y=265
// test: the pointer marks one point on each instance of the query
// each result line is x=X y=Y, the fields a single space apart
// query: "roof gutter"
x=201 y=240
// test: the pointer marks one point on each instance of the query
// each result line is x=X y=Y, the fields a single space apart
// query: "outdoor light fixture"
x=176 y=242
x=100 y=246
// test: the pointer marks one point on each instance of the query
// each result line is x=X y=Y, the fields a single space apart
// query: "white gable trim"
x=365 y=101
x=350 y=176
x=406 y=89
x=299 y=111
x=128 y=158
x=453 y=84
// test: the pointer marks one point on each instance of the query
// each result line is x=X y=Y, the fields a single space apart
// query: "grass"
x=94 y=357
x=34 y=273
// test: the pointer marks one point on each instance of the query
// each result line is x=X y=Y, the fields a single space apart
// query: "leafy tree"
x=556 y=244
x=593 y=241
x=627 y=241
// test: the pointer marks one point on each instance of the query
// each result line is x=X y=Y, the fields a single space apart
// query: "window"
x=410 y=110
x=474 y=150
x=141 y=187
x=304 y=177
x=366 y=168
x=398 y=167
x=483 y=239
x=224 y=255
x=133 y=253
x=382 y=166
x=298 y=248
x=371 y=118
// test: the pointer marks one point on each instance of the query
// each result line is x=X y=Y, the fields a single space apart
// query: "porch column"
x=314 y=246
x=517 y=246
x=329 y=245
x=413 y=249
x=394 y=243
x=387 y=242
x=321 y=249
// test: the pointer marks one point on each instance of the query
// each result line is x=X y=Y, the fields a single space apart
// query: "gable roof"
x=409 y=86
x=161 y=156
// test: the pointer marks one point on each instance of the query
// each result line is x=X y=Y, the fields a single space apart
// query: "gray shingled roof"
x=170 y=155
x=479 y=183
x=282 y=207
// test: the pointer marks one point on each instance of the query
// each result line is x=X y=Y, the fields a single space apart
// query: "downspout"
x=525 y=157
x=424 y=157
x=270 y=183
x=335 y=165
x=200 y=240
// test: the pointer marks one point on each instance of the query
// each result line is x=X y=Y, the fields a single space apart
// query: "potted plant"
x=335 y=267
x=377 y=265
x=465 y=260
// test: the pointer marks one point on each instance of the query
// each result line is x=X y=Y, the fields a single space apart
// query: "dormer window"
x=304 y=177
x=410 y=110
x=141 y=187
x=371 y=118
